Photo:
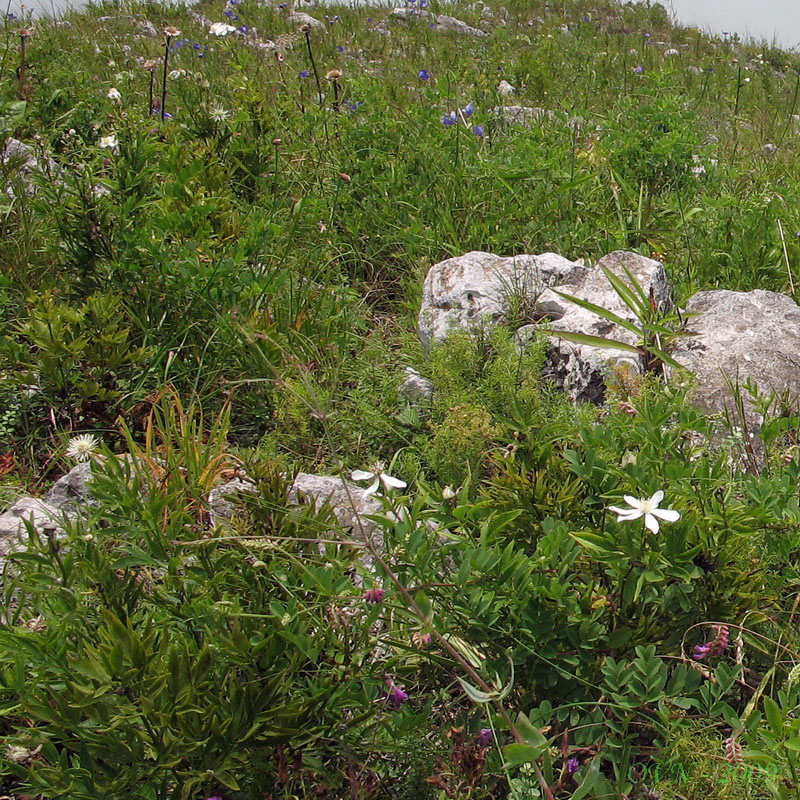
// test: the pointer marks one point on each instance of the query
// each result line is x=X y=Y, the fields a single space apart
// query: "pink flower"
x=373 y=595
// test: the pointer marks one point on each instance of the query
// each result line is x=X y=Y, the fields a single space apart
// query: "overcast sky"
x=760 y=19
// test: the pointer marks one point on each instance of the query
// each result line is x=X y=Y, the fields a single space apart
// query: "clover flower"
x=646 y=508
x=82 y=447
x=573 y=765
x=373 y=596
x=378 y=477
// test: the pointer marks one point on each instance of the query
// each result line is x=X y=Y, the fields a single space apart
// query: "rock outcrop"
x=476 y=289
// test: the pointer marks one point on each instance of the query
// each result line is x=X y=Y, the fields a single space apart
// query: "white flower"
x=176 y=74
x=221 y=29
x=219 y=114
x=114 y=96
x=81 y=447
x=505 y=88
x=646 y=508
x=448 y=493
x=108 y=141
x=378 y=477
x=671 y=52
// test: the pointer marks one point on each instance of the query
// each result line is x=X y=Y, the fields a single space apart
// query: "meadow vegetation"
x=223 y=280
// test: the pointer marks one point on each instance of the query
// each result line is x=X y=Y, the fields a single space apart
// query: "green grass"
x=236 y=287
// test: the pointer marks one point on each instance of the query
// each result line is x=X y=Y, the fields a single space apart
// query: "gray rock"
x=475 y=289
x=13 y=532
x=437 y=22
x=580 y=369
x=72 y=491
x=220 y=506
x=415 y=388
x=301 y=18
x=20 y=155
x=525 y=116
x=348 y=502
x=746 y=336
x=147 y=28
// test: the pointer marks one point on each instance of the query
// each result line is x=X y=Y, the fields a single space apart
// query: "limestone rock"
x=317 y=489
x=436 y=22
x=582 y=369
x=415 y=388
x=524 y=115
x=72 y=491
x=21 y=156
x=746 y=336
x=220 y=505
x=474 y=290
x=13 y=532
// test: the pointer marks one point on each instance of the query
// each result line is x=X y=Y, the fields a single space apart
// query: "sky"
x=759 y=19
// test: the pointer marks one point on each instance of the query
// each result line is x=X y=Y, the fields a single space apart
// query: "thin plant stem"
x=164 y=81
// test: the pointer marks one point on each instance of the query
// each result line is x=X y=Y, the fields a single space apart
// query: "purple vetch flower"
x=714 y=647
x=340 y=48
x=303 y=74
x=373 y=596
x=353 y=106
x=573 y=765
x=638 y=70
x=485 y=737
x=449 y=119
x=478 y=131
x=396 y=695
x=243 y=29
x=468 y=110
x=423 y=75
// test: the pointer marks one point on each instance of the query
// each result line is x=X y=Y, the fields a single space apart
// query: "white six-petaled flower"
x=378 y=477
x=82 y=447
x=646 y=508
x=221 y=29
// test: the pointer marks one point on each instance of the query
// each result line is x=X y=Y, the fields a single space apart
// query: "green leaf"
x=602 y=312
x=531 y=734
x=774 y=715
x=793 y=744
x=592 y=341
x=595 y=542
x=424 y=604
x=516 y=754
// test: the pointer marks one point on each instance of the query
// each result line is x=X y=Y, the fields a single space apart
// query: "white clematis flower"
x=221 y=29
x=378 y=477
x=646 y=508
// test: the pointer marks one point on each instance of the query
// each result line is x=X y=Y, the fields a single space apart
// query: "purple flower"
x=710 y=69
x=798 y=234
x=396 y=695
x=243 y=29
x=340 y=48
x=369 y=19
x=423 y=75
x=478 y=131
x=584 y=18
x=715 y=647
x=215 y=797
x=423 y=3
x=11 y=16
x=354 y=106
x=303 y=74
x=468 y=110
x=282 y=5
x=638 y=70
x=485 y=737
x=431 y=25
x=373 y=596
x=449 y=119
x=572 y=765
